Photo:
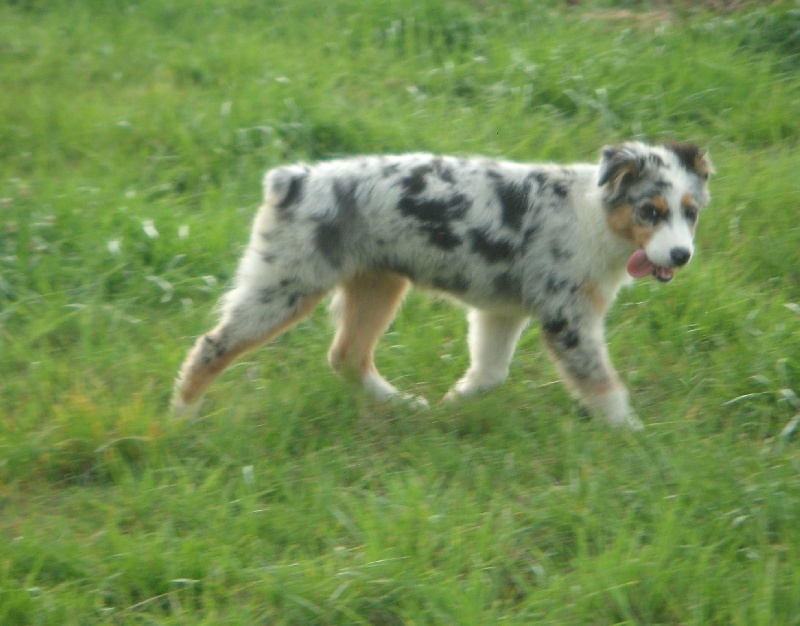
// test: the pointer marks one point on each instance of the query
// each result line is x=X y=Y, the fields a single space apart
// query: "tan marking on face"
x=621 y=222
x=660 y=204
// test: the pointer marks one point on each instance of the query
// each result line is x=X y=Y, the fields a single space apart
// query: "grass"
x=133 y=138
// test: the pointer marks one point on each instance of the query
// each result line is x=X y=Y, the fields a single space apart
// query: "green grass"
x=133 y=137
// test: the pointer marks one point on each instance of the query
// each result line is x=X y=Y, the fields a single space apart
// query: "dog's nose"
x=680 y=256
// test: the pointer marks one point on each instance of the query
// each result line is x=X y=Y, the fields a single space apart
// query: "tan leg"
x=241 y=329
x=364 y=306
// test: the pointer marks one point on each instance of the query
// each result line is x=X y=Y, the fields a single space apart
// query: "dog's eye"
x=649 y=213
x=691 y=213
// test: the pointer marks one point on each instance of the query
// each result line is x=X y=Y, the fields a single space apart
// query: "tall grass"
x=133 y=136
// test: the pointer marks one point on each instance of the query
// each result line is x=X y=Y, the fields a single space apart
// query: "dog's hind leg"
x=492 y=339
x=363 y=308
x=249 y=319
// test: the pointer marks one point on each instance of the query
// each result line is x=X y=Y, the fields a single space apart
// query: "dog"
x=512 y=241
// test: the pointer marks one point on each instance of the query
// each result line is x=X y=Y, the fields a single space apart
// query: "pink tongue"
x=639 y=265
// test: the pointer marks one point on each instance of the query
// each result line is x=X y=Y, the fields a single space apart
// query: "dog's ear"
x=620 y=167
x=692 y=158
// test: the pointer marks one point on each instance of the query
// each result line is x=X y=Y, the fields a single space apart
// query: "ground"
x=134 y=138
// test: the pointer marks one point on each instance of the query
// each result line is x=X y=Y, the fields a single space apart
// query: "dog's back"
x=483 y=230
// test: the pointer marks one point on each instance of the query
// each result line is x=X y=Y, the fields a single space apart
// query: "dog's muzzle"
x=639 y=265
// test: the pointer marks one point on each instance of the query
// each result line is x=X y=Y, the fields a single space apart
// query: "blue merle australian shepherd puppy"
x=512 y=241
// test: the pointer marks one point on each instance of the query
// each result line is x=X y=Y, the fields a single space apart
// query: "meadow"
x=133 y=138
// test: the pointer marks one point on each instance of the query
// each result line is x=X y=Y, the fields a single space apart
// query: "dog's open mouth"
x=640 y=266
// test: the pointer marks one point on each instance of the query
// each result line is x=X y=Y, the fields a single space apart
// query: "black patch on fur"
x=560 y=188
x=396 y=267
x=656 y=160
x=554 y=284
x=390 y=170
x=457 y=283
x=539 y=177
x=345 y=196
x=442 y=237
x=435 y=217
x=646 y=191
x=554 y=325
x=688 y=154
x=559 y=253
x=268 y=294
x=546 y=182
x=331 y=233
x=507 y=286
x=444 y=171
x=269 y=258
x=558 y=329
x=493 y=173
x=493 y=250
x=571 y=339
x=216 y=346
x=294 y=192
x=513 y=201
x=415 y=183
x=620 y=164
x=329 y=242
x=529 y=235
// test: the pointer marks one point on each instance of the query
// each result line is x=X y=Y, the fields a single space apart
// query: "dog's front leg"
x=579 y=350
x=492 y=339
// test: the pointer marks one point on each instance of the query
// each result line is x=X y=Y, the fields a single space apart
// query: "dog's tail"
x=284 y=186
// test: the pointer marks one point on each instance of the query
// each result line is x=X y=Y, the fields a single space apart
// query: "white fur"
x=492 y=338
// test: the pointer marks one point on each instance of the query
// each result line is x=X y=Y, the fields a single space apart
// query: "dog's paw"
x=634 y=424
x=629 y=422
x=183 y=411
x=456 y=395
x=415 y=403
x=379 y=388
x=462 y=389
x=451 y=396
x=475 y=383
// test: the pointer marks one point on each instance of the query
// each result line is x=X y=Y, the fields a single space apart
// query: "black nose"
x=680 y=256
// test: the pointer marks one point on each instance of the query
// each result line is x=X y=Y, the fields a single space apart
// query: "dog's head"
x=653 y=195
